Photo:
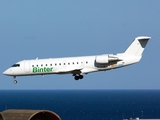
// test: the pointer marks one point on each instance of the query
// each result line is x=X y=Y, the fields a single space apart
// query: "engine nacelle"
x=102 y=59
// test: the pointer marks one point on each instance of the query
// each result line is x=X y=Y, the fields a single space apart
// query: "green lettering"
x=44 y=69
x=41 y=70
x=37 y=69
x=34 y=70
x=48 y=69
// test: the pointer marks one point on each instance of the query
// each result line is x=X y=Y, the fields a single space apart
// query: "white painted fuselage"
x=77 y=66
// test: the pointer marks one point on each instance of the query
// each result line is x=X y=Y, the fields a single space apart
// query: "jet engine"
x=104 y=59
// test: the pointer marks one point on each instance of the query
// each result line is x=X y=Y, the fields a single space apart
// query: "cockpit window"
x=16 y=65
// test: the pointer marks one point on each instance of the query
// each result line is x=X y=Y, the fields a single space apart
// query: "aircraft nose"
x=7 y=72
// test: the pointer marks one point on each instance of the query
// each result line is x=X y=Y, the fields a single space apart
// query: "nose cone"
x=8 y=72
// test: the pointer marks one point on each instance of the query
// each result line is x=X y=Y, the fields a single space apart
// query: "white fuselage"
x=68 y=65
x=77 y=66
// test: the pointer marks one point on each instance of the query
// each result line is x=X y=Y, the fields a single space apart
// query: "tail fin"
x=137 y=46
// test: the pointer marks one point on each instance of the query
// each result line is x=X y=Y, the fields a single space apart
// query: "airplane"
x=78 y=66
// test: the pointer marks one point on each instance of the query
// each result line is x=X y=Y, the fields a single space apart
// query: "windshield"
x=15 y=65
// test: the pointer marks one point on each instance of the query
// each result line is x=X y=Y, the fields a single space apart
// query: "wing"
x=71 y=71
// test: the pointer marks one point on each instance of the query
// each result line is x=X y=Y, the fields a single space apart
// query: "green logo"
x=45 y=69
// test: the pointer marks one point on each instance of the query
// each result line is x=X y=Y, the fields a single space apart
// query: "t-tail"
x=137 y=47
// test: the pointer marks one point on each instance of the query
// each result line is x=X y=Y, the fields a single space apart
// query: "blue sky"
x=45 y=29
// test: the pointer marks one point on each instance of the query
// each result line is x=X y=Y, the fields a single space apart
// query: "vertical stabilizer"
x=138 y=45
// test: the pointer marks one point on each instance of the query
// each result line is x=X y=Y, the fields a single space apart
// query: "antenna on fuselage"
x=37 y=58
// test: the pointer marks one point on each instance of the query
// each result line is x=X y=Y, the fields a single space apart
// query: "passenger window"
x=46 y=64
x=55 y=64
x=59 y=63
x=41 y=65
x=68 y=63
x=86 y=62
x=37 y=65
x=50 y=64
x=77 y=62
x=32 y=65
